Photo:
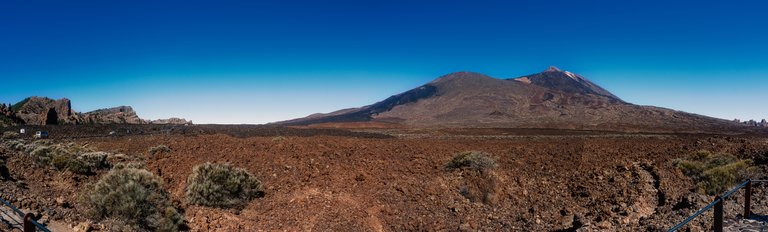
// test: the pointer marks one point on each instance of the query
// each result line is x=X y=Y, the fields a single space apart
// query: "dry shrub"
x=131 y=199
x=134 y=165
x=66 y=158
x=71 y=163
x=95 y=160
x=715 y=173
x=159 y=149
x=16 y=144
x=221 y=185
x=471 y=159
x=28 y=148
x=44 y=154
x=10 y=135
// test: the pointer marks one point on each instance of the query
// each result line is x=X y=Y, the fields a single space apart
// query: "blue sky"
x=263 y=61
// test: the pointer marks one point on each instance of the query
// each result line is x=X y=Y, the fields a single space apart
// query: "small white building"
x=22 y=131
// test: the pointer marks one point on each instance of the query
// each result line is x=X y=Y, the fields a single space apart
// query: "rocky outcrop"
x=115 y=115
x=177 y=121
x=44 y=111
x=6 y=115
x=762 y=123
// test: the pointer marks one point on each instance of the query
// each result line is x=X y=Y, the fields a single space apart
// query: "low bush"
x=714 y=173
x=132 y=199
x=471 y=159
x=159 y=149
x=60 y=161
x=63 y=161
x=95 y=160
x=14 y=144
x=221 y=185
x=76 y=149
x=64 y=157
x=10 y=135
x=79 y=167
x=43 y=154
x=28 y=148
x=134 y=165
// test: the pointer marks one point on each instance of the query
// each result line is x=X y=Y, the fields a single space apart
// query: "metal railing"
x=717 y=224
x=29 y=222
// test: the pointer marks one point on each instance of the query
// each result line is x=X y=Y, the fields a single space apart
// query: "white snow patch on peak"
x=523 y=79
x=572 y=76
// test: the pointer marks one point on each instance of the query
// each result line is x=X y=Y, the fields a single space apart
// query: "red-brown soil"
x=545 y=180
x=345 y=183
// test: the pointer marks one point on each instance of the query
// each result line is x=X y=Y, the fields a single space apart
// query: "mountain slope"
x=551 y=99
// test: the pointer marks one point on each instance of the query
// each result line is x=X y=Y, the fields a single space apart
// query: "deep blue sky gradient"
x=262 y=61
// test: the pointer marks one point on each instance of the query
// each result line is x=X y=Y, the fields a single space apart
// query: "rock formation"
x=115 y=115
x=46 y=111
x=753 y=123
x=178 y=121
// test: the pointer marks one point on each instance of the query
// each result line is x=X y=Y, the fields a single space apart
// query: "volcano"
x=552 y=99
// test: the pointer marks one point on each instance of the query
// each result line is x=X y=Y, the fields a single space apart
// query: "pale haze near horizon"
x=265 y=61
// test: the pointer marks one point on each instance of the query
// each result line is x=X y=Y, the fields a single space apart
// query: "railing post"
x=28 y=226
x=717 y=225
x=748 y=199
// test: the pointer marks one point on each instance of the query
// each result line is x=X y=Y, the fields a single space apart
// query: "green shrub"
x=714 y=173
x=18 y=146
x=79 y=167
x=60 y=161
x=15 y=144
x=134 y=165
x=95 y=160
x=471 y=159
x=46 y=154
x=10 y=135
x=133 y=197
x=221 y=185
x=159 y=149
x=28 y=148
x=43 y=154
x=75 y=149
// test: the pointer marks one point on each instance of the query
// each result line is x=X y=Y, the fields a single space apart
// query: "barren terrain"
x=396 y=180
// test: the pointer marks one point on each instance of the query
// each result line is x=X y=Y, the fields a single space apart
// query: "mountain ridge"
x=552 y=99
